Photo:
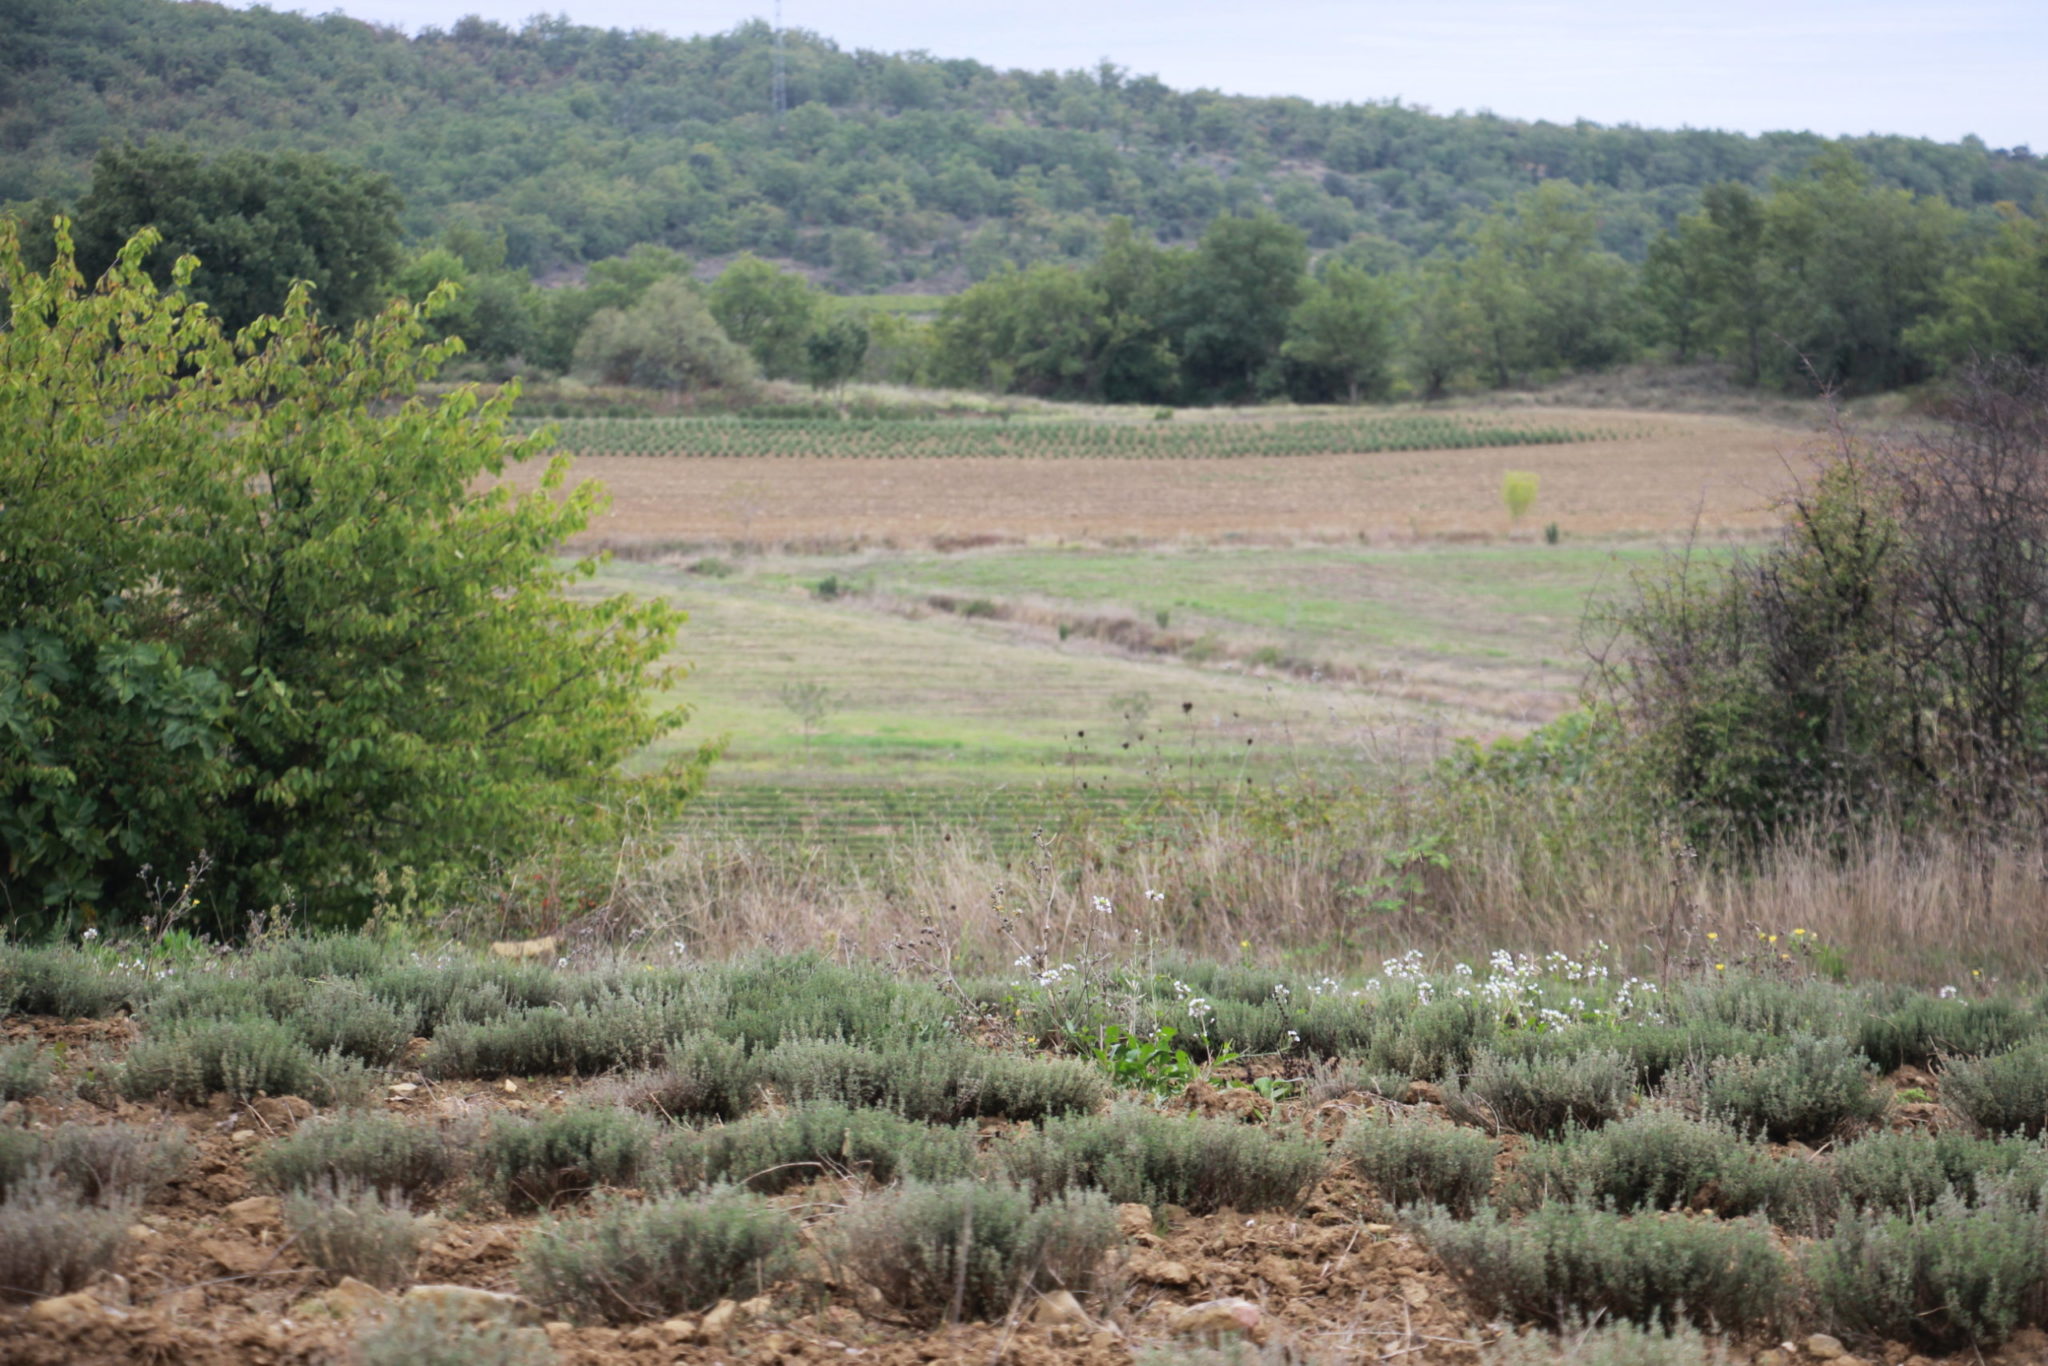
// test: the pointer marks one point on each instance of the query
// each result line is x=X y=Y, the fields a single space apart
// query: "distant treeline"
x=574 y=144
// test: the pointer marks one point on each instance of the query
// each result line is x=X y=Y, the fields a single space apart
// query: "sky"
x=1927 y=68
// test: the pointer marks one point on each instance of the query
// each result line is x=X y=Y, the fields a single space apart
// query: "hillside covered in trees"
x=577 y=143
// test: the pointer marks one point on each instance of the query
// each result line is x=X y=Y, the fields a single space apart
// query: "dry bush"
x=649 y=1261
x=349 y=1230
x=52 y=1242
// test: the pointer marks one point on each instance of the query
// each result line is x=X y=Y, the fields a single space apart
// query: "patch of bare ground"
x=1722 y=473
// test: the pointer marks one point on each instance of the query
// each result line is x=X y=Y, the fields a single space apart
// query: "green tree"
x=1346 y=326
x=835 y=351
x=1675 y=286
x=1036 y=331
x=1234 y=299
x=1995 y=304
x=256 y=223
x=1735 y=272
x=1445 y=332
x=260 y=608
x=1547 y=295
x=616 y=283
x=668 y=340
x=768 y=311
x=496 y=310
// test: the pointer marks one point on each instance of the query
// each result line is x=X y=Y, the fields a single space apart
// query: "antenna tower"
x=781 y=67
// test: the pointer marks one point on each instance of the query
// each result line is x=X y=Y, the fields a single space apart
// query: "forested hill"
x=579 y=142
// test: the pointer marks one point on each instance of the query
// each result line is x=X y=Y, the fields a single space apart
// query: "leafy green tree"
x=1675 y=288
x=1735 y=271
x=260 y=608
x=616 y=283
x=496 y=310
x=668 y=340
x=1995 y=304
x=1347 y=326
x=256 y=223
x=1547 y=295
x=768 y=311
x=1445 y=332
x=835 y=351
x=1135 y=280
x=1233 y=303
x=1037 y=331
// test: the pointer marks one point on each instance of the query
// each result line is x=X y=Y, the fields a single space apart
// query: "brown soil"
x=1722 y=471
x=204 y=1284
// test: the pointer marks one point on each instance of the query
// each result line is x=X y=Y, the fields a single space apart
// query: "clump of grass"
x=24 y=1072
x=1413 y=1161
x=429 y=1335
x=2007 y=1094
x=1948 y=1277
x=1340 y=1077
x=537 y=1163
x=767 y=1000
x=378 y=1152
x=771 y=1152
x=1922 y=1028
x=1610 y=1344
x=349 y=1230
x=1543 y=1095
x=103 y=1164
x=1807 y=1092
x=1140 y=1156
x=60 y=981
x=1660 y=1159
x=671 y=1256
x=1902 y=1173
x=52 y=1241
x=241 y=1057
x=1561 y=1262
x=969 y=1250
x=702 y=1077
x=932 y=1082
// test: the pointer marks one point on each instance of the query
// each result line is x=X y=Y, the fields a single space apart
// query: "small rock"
x=1424 y=1093
x=470 y=1305
x=1134 y=1221
x=756 y=1308
x=67 y=1311
x=282 y=1112
x=557 y=1329
x=639 y=1339
x=779 y=1343
x=1379 y=1230
x=400 y=1090
x=1059 y=1310
x=511 y=1087
x=679 y=1331
x=1106 y=1340
x=527 y=948
x=242 y=1137
x=110 y=1288
x=1215 y=1318
x=353 y=1297
x=1164 y=1273
x=256 y=1213
x=723 y=1318
x=142 y=1233
x=236 y=1258
x=1824 y=1348
x=1414 y=1294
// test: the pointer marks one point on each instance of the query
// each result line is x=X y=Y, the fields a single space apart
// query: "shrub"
x=650 y=1261
x=1563 y=1262
x=970 y=1249
x=702 y=1077
x=582 y=1039
x=341 y=1016
x=1807 y=1092
x=1412 y=1161
x=348 y=1230
x=58 y=980
x=377 y=1152
x=2001 y=1095
x=1924 y=1028
x=52 y=1242
x=1658 y=1051
x=1341 y=1077
x=1541 y=1095
x=1137 y=1155
x=115 y=1164
x=772 y=1152
x=768 y=1000
x=1949 y=1276
x=431 y=1335
x=240 y=1057
x=1659 y=1159
x=533 y=1163
x=24 y=1072
x=1903 y=1173
x=1610 y=1344
x=936 y=1083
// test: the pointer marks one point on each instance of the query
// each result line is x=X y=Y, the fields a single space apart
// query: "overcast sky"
x=1932 y=68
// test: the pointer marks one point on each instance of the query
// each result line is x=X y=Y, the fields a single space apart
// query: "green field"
x=1332 y=661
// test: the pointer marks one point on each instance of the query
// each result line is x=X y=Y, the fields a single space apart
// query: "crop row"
x=716 y=437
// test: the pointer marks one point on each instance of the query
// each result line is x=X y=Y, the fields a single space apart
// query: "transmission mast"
x=781 y=67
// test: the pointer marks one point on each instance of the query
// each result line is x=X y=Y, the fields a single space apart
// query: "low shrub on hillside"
x=193 y=1060
x=1561 y=1262
x=768 y=1000
x=1904 y=1172
x=1806 y=1092
x=52 y=1241
x=582 y=1039
x=1136 y=1155
x=432 y=1335
x=380 y=1152
x=24 y=1072
x=102 y=1164
x=939 y=1083
x=1412 y=1161
x=1947 y=1277
x=677 y=1255
x=701 y=1077
x=1542 y=1095
x=341 y=1016
x=1340 y=1077
x=537 y=1163
x=969 y=1249
x=2007 y=1094
x=57 y=980
x=1610 y=1344
x=349 y=1230
x=770 y=1152
x=1660 y=1159
x=1920 y=1028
